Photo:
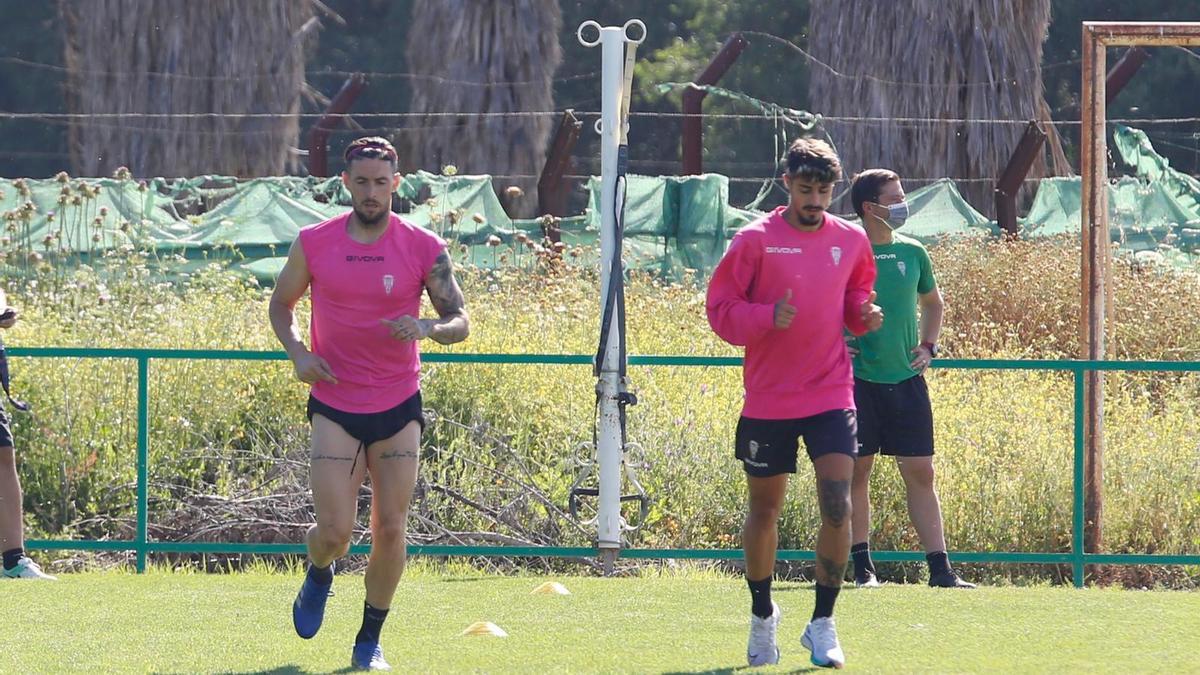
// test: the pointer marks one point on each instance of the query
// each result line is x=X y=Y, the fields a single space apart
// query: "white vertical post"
x=616 y=80
x=608 y=453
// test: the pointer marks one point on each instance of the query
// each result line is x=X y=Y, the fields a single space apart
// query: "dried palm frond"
x=967 y=59
x=217 y=59
x=483 y=57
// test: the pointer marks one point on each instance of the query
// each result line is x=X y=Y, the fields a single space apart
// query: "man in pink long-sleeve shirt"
x=788 y=285
x=366 y=270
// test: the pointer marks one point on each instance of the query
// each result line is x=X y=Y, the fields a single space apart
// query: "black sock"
x=826 y=596
x=11 y=556
x=371 y=625
x=861 y=553
x=939 y=563
x=760 y=597
x=320 y=575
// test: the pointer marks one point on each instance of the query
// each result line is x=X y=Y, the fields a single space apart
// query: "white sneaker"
x=820 y=638
x=869 y=580
x=27 y=569
x=762 y=650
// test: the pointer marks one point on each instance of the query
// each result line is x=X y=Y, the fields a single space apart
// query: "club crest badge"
x=388 y=282
x=836 y=252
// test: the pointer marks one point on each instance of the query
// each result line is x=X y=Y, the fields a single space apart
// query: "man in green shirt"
x=895 y=416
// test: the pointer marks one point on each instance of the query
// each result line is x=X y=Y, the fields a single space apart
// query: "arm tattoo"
x=835 y=500
x=444 y=293
x=447 y=299
x=399 y=454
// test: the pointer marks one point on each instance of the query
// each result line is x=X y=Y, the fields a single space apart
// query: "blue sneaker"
x=309 y=608
x=368 y=656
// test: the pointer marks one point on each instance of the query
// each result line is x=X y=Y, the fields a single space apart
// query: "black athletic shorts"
x=769 y=447
x=6 y=437
x=368 y=428
x=895 y=419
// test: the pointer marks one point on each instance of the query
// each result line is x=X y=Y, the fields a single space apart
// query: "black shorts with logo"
x=770 y=447
x=895 y=419
x=368 y=428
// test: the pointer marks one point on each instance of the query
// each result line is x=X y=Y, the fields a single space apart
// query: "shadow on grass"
x=296 y=670
x=280 y=670
x=738 y=669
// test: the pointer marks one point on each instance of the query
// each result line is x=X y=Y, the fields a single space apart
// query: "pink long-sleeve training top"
x=801 y=370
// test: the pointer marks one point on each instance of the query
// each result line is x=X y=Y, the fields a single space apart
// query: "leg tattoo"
x=835 y=498
x=834 y=572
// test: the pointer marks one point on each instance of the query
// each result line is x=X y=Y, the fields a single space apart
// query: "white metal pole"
x=608 y=454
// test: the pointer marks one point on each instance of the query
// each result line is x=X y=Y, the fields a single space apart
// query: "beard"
x=370 y=221
x=809 y=217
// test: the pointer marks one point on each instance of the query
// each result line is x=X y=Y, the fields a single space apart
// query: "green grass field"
x=167 y=622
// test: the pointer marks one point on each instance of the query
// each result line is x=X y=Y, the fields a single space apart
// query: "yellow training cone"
x=485 y=628
x=551 y=588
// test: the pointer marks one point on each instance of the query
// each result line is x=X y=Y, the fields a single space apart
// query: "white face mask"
x=897 y=215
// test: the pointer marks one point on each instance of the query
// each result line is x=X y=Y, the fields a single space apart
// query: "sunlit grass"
x=237 y=429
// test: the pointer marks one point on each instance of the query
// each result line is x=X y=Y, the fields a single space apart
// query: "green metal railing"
x=141 y=544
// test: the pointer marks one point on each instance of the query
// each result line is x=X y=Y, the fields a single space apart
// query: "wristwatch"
x=932 y=347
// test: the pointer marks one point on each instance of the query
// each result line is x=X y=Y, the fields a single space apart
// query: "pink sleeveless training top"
x=354 y=285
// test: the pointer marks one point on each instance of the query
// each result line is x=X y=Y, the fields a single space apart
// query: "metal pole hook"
x=637 y=23
x=591 y=24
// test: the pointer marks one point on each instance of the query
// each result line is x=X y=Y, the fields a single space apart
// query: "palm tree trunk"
x=967 y=59
x=483 y=57
x=216 y=59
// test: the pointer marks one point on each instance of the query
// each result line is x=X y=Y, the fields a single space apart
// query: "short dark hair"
x=866 y=186
x=370 y=147
x=812 y=159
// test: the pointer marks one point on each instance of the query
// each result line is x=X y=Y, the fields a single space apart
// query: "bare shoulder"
x=294 y=278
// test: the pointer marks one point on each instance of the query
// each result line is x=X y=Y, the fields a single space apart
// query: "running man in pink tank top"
x=366 y=271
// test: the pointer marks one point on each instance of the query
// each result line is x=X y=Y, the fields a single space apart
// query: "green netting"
x=939 y=210
x=672 y=224
x=435 y=197
x=1158 y=210
x=1135 y=149
x=1141 y=215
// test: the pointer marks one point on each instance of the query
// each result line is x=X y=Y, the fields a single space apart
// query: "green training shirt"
x=905 y=272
